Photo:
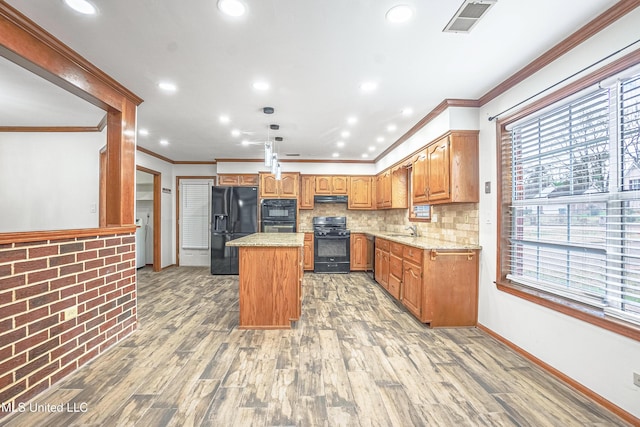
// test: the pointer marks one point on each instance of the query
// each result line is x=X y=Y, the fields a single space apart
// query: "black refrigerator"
x=234 y=214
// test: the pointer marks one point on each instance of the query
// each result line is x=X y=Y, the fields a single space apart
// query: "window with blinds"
x=195 y=215
x=571 y=200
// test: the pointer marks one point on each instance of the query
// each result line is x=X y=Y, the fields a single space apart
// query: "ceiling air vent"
x=468 y=15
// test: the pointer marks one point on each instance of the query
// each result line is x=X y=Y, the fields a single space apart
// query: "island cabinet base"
x=270 y=287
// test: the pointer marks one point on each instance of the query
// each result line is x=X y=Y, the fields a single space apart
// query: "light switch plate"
x=636 y=379
x=487 y=187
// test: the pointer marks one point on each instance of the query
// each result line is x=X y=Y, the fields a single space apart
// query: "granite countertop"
x=269 y=240
x=422 y=242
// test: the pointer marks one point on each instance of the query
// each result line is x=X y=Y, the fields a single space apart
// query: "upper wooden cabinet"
x=361 y=192
x=307 y=191
x=391 y=188
x=446 y=171
x=331 y=185
x=287 y=187
x=238 y=179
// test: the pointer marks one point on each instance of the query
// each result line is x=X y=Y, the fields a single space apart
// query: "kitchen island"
x=270 y=279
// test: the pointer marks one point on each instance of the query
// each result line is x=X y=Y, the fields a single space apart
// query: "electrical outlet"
x=636 y=379
x=71 y=313
x=434 y=218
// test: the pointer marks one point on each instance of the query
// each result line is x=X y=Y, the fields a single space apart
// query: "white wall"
x=596 y=358
x=49 y=181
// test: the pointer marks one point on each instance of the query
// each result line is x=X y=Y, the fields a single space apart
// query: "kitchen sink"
x=398 y=235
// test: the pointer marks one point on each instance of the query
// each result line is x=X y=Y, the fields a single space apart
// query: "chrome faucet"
x=413 y=228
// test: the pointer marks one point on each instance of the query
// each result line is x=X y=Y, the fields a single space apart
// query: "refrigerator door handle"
x=218 y=221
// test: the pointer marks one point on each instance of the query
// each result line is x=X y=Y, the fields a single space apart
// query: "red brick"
x=30 y=291
x=9 y=394
x=94 y=244
x=63 y=349
x=6 y=297
x=87 y=336
x=31 y=244
x=44 y=373
x=43 y=324
x=128 y=256
x=129 y=273
x=113 y=242
x=107 y=288
x=109 y=269
x=88 y=356
x=71 y=247
x=26 y=266
x=31 y=341
x=87 y=296
x=113 y=277
x=87 y=255
x=31 y=316
x=74 y=355
x=5 y=325
x=113 y=313
x=6 y=380
x=41 y=276
x=95 y=322
x=13 y=282
x=96 y=341
x=73 y=290
x=113 y=260
x=107 y=325
x=108 y=343
x=45 y=299
x=63 y=373
x=71 y=269
x=62 y=282
x=13 y=255
x=96 y=263
x=61 y=305
x=44 y=348
x=87 y=275
x=94 y=283
x=43 y=251
x=5 y=270
x=71 y=334
x=33 y=390
x=107 y=252
x=13 y=336
x=128 y=240
x=106 y=307
x=124 y=249
x=62 y=260
x=64 y=326
x=94 y=303
x=13 y=309
x=123 y=266
x=88 y=315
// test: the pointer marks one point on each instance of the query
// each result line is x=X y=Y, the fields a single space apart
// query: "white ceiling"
x=313 y=53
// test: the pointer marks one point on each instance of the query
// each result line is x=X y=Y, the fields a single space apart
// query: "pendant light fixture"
x=268 y=153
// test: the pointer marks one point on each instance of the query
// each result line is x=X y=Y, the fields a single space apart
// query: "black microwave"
x=278 y=210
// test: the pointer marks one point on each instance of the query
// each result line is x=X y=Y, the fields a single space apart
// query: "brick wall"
x=40 y=284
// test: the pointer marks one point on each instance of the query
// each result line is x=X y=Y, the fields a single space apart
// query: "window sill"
x=574 y=309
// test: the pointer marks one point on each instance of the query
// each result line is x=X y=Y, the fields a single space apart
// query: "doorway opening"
x=148 y=213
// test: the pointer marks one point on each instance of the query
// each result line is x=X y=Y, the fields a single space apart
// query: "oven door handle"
x=331 y=237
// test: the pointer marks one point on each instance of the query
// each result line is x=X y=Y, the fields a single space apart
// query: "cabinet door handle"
x=435 y=254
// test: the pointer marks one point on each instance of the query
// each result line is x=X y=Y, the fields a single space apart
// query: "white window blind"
x=571 y=209
x=195 y=215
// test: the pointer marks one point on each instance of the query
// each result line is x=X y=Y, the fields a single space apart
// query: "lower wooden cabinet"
x=308 y=252
x=359 y=252
x=438 y=287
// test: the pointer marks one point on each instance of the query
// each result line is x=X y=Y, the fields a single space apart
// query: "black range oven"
x=278 y=216
x=332 y=243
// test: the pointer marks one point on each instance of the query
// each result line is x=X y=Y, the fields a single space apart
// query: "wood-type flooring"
x=355 y=358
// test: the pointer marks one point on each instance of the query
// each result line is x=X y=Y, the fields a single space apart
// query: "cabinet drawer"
x=395 y=266
x=412 y=254
x=396 y=248
x=382 y=244
x=394 y=286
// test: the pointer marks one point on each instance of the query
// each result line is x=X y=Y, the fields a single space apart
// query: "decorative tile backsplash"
x=453 y=223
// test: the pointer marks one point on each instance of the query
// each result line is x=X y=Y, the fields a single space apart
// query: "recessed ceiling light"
x=365 y=155
x=391 y=128
x=82 y=6
x=168 y=86
x=407 y=111
x=143 y=132
x=372 y=148
x=261 y=85
x=336 y=155
x=340 y=144
x=224 y=119
x=352 y=120
x=235 y=132
x=368 y=86
x=345 y=134
x=164 y=142
x=399 y=14
x=233 y=8
x=380 y=139
x=245 y=142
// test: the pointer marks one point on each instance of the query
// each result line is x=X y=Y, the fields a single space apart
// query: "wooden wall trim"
x=593 y=27
x=440 y=108
x=194 y=162
x=564 y=378
x=30 y=46
x=156 y=155
x=36 y=236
